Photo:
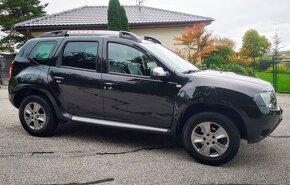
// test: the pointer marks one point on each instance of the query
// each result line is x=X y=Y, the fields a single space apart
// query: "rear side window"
x=81 y=55
x=41 y=51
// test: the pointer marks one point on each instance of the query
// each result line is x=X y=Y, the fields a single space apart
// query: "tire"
x=37 y=116
x=216 y=138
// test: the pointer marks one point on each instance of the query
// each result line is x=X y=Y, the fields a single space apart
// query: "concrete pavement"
x=88 y=154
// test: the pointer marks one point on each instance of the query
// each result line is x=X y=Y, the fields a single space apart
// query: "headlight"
x=266 y=101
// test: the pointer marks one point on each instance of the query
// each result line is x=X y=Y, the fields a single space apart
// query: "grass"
x=283 y=80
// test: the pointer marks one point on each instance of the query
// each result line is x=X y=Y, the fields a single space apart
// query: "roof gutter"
x=105 y=26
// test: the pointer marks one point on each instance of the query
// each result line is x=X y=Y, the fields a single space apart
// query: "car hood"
x=228 y=80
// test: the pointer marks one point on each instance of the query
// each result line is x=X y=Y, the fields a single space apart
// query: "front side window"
x=169 y=58
x=81 y=55
x=128 y=60
x=42 y=51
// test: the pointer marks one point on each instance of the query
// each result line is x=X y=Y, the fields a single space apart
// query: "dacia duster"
x=118 y=79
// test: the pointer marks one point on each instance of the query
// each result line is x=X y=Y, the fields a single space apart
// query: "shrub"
x=281 y=68
x=215 y=60
x=235 y=68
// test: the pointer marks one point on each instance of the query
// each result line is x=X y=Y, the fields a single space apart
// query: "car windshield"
x=170 y=58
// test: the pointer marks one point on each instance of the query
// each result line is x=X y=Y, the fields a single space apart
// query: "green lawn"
x=283 y=80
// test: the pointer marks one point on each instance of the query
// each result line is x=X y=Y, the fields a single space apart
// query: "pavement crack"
x=280 y=137
x=14 y=154
x=86 y=183
x=134 y=151
x=44 y=152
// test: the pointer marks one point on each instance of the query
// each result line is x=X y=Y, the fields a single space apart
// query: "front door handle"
x=58 y=79
x=108 y=85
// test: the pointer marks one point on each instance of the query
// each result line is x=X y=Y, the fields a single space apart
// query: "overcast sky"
x=232 y=17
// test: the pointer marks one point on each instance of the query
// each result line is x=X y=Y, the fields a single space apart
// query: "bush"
x=262 y=64
x=235 y=68
x=215 y=60
x=245 y=62
x=281 y=68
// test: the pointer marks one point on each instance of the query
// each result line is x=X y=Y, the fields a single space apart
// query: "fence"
x=5 y=61
x=278 y=74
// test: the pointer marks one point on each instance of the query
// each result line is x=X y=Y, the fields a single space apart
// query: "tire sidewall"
x=50 y=118
x=227 y=124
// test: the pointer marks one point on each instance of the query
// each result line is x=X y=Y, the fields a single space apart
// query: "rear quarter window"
x=42 y=51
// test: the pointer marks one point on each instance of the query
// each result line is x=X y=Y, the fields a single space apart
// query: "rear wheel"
x=37 y=116
x=211 y=138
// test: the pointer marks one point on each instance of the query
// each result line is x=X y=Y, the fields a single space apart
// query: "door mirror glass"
x=159 y=72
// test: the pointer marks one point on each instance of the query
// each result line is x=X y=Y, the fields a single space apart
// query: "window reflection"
x=80 y=55
x=42 y=51
x=128 y=60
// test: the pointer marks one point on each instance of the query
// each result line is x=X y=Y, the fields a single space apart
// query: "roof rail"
x=151 y=39
x=59 y=33
x=129 y=35
x=92 y=33
x=120 y=34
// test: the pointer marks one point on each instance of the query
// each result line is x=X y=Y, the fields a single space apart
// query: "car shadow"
x=91 y=133
x=135 y=141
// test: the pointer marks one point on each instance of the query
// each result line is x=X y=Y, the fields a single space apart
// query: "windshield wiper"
x=190 y=71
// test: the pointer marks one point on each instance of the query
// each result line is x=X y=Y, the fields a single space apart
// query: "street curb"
x=3 y=87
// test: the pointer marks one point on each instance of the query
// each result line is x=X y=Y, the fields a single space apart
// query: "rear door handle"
x=58 y=79
x=108 y=85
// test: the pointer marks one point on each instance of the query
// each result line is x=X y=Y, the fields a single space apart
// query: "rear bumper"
x=260 y=128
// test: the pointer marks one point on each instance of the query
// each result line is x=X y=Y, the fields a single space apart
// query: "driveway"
x=88 y=154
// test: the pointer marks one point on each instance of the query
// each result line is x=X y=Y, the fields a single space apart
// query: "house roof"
x=97 y=16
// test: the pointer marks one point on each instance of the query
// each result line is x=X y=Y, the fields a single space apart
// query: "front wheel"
x=211 y=138
x=37 y=116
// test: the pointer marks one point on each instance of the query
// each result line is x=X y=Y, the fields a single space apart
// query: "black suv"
x=118 y=79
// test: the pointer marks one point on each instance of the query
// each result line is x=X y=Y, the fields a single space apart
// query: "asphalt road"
x=89 y=154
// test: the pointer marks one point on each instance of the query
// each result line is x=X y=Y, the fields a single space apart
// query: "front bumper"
x=260 y=128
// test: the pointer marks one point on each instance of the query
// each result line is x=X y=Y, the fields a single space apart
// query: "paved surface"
x=88 y=154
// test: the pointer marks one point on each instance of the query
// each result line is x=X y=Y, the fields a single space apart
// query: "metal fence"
x=5 y=61
x=277 y=73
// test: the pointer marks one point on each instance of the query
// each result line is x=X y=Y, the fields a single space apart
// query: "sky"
x=232 y=17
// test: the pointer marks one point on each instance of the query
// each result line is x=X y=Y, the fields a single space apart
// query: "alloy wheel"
x=34 y=116
x=210 y=139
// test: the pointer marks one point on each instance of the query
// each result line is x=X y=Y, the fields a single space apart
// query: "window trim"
x=50 y=54
x=124 y=74
x=79 y=68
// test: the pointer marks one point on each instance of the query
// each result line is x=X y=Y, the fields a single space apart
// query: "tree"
x=225 y=42
x=114 y=15
x=254 y=45
x=124 y=19
x=117 y=18
x=276 y=45
x=225 y=48
x=13 y=12
x=198 y=42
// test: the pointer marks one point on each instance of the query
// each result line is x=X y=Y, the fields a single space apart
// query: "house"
x=5 y=62
x=285 y=55
x=161 y=24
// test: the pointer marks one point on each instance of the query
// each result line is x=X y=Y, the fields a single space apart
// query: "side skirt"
x=119 y=124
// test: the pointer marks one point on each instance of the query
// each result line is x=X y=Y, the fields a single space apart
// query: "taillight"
x=11 y=69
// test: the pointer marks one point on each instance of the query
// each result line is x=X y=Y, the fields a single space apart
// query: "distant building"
x=5 y=62
x=284 y=55
x=158 y=23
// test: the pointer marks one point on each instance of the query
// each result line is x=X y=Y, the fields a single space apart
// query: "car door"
x=130 y=95
x=75 y=80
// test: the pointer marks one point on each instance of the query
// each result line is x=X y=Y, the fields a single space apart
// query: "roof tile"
x=97 y=15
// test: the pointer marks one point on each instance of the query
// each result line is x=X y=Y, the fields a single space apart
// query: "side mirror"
x=159 y=72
